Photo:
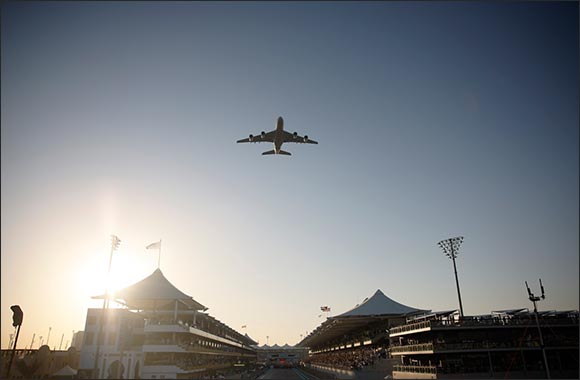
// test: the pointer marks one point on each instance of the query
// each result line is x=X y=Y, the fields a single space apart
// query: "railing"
x=162 y=348
x=159 y=341
x=164 y=326
x=202 y=367
x=198 y=349
x=206 y=334
x=481 y=322
x=415 y=368
x=159 y=362
x=168 y=326
x=411 y=327
x=465 y=346
x=412 y=347
x=153 y=322
x=482 y=346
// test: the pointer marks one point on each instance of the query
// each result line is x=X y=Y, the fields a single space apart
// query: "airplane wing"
x=296 y=138
x=266 y=137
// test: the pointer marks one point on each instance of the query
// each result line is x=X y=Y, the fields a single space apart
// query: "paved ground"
x=286 y=374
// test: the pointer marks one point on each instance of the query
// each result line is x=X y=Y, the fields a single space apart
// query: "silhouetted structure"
x=357 y=339
x=365 y=324
x=451 y=249
x=278 y=137
x=503 y=344
x=39 y=363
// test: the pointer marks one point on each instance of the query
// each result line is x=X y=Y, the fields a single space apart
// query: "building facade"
x=281 y=356
x=77 y=340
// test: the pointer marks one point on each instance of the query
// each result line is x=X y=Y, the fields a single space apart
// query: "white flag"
x=154 y=245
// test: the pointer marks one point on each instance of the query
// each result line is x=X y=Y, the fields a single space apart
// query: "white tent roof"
x=510 y=311
x=154 y=290
x=379 y=304
x=65 y=371
x=278 y=347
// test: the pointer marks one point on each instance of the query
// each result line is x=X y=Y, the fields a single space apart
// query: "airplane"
x=278 y=136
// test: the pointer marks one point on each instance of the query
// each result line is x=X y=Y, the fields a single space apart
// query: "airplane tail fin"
x=274 y=152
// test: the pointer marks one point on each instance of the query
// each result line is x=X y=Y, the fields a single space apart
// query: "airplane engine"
x=263 y=134
x=295 y=134
x=305 y=138
x=251 y=138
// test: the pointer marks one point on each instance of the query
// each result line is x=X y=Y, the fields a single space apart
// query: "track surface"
x=287 y=374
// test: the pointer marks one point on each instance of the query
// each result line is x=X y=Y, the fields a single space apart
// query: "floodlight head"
x=529 y=291
x=17 y=316
x=115 y=241
x=444 y=244
x=456 y=242
x=451 y=246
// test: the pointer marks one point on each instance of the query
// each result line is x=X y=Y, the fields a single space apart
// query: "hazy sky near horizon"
x=434 y=120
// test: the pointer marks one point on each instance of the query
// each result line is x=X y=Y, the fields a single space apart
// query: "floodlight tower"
x=48 y=337
x=451 y=249
x=535 y=299
x=17 y=318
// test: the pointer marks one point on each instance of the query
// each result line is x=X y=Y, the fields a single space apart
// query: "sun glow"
x=129 y=266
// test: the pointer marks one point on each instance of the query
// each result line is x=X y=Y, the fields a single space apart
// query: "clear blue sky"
x=434 y=120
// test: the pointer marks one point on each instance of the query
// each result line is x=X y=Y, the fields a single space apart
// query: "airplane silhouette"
x=278 y=136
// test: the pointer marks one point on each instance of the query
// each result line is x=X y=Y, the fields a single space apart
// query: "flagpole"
x=157 y=245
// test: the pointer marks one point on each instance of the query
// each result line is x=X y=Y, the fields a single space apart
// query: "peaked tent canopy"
x=65 y=371
x=377 y=308
x=154 y=291
x=379 y=304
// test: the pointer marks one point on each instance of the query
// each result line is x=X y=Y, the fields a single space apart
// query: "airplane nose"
x=280 y=118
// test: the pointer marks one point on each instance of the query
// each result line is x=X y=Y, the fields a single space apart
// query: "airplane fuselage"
x=279 y=138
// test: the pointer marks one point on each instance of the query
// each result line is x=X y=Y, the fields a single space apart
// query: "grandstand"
x=503 y=344
x=430 y=345
x=161 y=332
x=359 y=337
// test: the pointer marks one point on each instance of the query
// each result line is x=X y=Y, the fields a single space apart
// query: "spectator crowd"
x=352 y=359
